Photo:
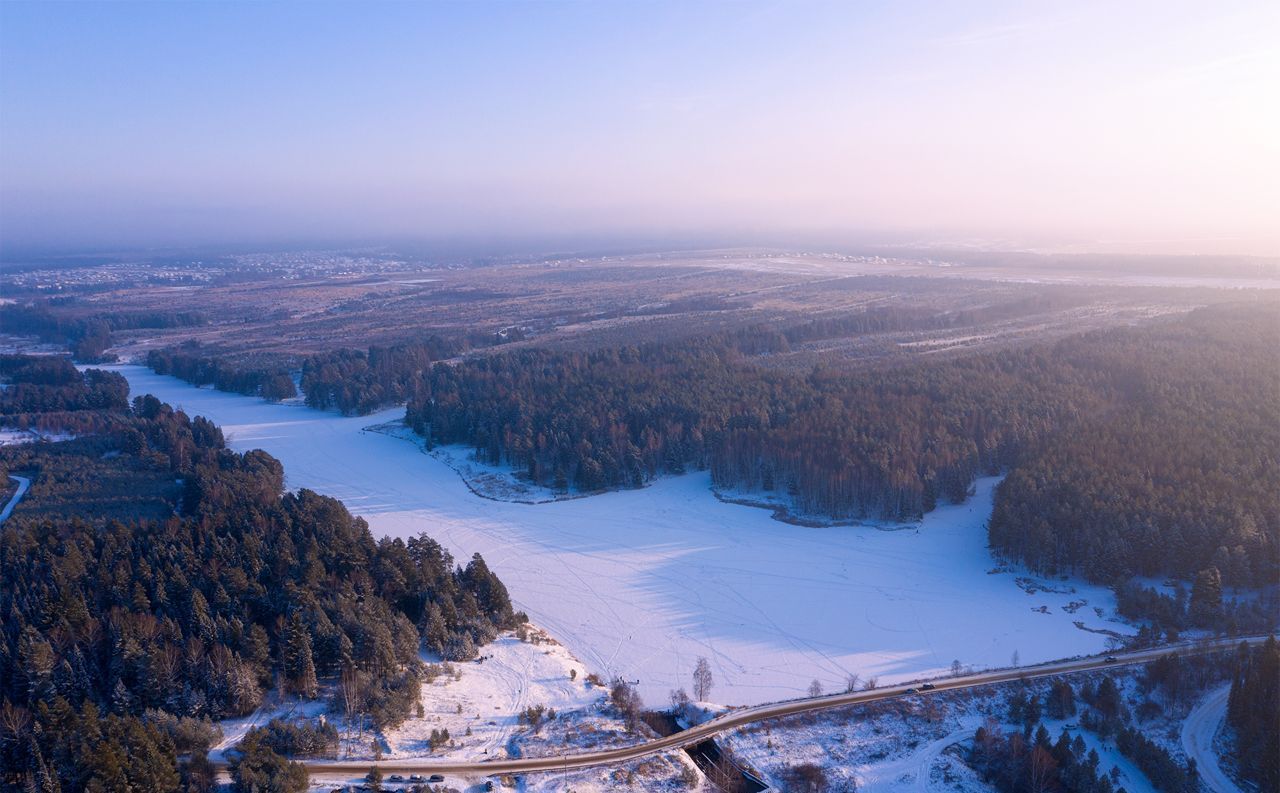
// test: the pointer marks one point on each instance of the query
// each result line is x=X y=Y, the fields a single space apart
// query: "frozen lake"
x=640 y=583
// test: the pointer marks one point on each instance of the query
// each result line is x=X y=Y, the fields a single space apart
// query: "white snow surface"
x=488 y=696
x=639 y=583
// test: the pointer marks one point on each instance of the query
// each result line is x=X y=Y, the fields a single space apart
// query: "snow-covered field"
x=640 y=583
x=480 y=704
x=10 y=436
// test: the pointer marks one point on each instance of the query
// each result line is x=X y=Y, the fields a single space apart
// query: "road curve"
x=1198 y=732
x=23 y=484
x=742 y=716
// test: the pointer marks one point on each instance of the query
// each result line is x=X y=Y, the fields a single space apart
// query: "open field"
x=277 y=311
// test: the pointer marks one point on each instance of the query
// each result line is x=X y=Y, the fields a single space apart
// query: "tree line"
x=189 y=362
x=86 y=335
x=352 y=381
x=1138 y=451
x=357 y=382
x=50 y=384
x=1253 y=713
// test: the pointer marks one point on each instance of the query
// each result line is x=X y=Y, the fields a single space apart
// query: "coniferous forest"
x=122 y=635
x=1253 y=713
x=1135 y=451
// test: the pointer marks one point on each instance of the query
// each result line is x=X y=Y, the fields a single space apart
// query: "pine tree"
x=1206 y=597
x=299 y=666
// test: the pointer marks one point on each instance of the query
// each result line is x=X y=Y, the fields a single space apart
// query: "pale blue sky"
x=1137 y=126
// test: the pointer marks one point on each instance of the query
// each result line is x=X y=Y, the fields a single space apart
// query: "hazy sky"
x=1113 y=125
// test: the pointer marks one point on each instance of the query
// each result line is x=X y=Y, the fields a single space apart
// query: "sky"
x=1091 y=126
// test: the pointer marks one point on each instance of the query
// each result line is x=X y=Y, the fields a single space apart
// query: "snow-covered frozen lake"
x=640 y=583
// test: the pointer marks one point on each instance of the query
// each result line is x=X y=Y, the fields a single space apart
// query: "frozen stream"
x=640 y=583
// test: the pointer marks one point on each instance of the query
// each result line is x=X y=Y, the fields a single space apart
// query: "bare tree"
x=815 y=689
x=679 y=702
x=1017 y=659
x=956 y=668
x=702 y=681
x=871 y=684
x=851 y=683
x=724 y=775
x=807 y=778
x=352 y=701
x=1040 y=769
x=627 y=701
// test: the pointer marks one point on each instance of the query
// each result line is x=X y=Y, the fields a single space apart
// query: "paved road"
x=743 y=716
x=1198 y=732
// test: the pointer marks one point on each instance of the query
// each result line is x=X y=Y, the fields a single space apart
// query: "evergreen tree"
x=298 y=662
x=1206 y=597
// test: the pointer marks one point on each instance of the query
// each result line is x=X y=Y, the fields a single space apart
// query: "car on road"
x=1111 y=659
x=436 y=778
x=909 y=691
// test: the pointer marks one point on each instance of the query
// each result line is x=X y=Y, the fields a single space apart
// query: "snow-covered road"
x=1198 y=732
x=640 y=583
x=23 y=484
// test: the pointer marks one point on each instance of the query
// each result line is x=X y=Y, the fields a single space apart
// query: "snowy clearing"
x=913 y=745
x=487 y=698
x=640 y=583
x=480 y=703
x=10 y=436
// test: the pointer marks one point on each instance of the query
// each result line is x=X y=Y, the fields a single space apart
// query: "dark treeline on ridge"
x=359 y=382
x=87 y=337
x=352 y=381
x=1127 y=437
x=118 y=633
x=189 y=362
x=50 y=384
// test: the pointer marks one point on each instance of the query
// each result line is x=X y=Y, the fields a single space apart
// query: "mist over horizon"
x=1150 y=128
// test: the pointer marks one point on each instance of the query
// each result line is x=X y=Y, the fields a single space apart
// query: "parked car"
x=928 y=687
